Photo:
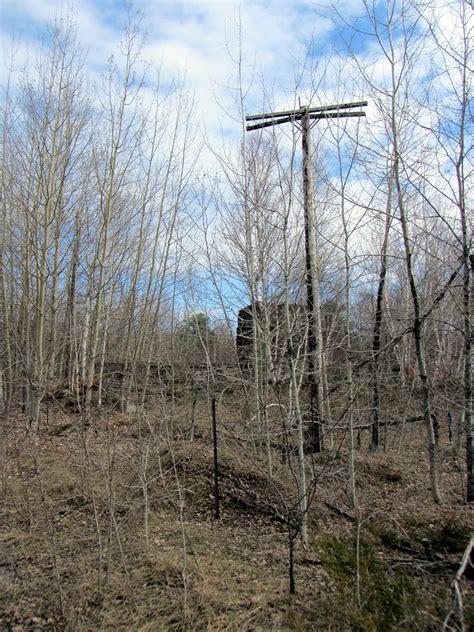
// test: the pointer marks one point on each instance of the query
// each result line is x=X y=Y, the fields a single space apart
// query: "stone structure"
x=274 y=341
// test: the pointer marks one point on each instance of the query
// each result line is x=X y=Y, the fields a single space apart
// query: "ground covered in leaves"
x=113 y=527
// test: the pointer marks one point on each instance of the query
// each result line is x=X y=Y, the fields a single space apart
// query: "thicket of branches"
x=112 y=250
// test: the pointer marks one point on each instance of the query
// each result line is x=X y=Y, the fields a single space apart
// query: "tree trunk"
x=376 y=339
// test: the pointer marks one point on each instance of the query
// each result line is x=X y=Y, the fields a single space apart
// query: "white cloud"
x=194 y=39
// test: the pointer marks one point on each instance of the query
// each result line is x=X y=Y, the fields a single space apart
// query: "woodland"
x=220 y=410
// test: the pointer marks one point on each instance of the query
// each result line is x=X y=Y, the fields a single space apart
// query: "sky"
x=279 y=42
x=282 y=44
x=284 y=47
x=198 y=41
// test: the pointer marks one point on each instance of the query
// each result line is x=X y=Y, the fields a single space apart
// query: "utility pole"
x=303 y=118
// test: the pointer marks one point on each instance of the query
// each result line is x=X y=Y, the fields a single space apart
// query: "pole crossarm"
x=296 y=114
x=298 y=117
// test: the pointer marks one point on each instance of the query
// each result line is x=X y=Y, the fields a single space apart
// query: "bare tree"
x=397 y=37
x=49 y=141
x=450 y=125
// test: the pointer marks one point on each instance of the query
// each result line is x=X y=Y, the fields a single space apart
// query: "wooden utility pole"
x=303 y=117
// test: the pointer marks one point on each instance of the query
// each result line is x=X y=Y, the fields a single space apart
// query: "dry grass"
x=76 y=552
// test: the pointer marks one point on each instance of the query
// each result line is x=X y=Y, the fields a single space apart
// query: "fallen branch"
x=269 y=511
x=457 y=597
x=340 y=512
x=391 y=422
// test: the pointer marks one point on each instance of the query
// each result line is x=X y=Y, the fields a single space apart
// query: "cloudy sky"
x=280 y=42
x=284 y=46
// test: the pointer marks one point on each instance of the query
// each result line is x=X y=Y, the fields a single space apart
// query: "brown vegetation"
x=77 y=553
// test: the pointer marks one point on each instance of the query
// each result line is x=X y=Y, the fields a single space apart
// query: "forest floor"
x=114 y=528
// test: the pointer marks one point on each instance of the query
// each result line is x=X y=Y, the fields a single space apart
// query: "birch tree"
x=112 y=158
x=50 y=142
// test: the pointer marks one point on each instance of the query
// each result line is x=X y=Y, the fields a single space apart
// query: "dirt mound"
x=245 y=486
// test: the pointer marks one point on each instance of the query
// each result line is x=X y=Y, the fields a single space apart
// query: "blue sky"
x=195 y=39
x=285 y=47
x=282 y=42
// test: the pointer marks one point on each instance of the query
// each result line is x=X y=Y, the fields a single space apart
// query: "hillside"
x=79 y=551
